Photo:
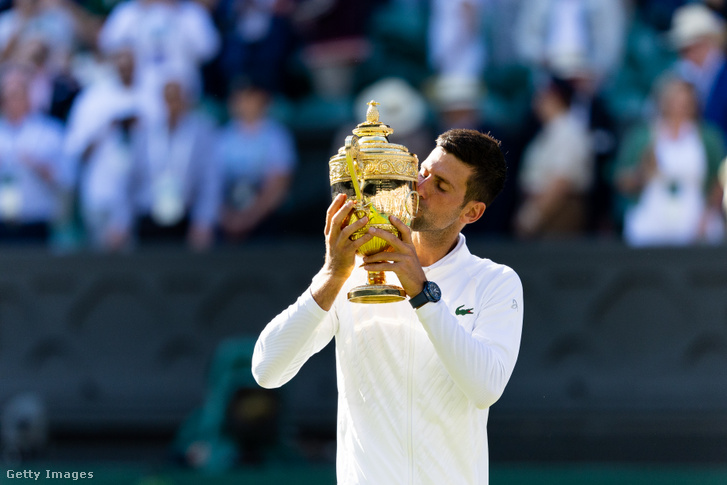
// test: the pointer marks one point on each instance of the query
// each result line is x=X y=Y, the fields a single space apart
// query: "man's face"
x=174 y=97
x=124 y=62
x=442 y=186
x=14 y=100
x=698 y=51
x=249 y=104
x=678 y=101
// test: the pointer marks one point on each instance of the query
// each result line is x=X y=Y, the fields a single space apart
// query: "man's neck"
x=431 y=246
x=16 y=119
x=174 y=119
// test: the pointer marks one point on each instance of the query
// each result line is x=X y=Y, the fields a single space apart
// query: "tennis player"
x=415 y=378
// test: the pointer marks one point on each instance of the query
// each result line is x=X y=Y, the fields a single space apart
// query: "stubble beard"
x=423 y=223
x=415 y=224
x=420 y=222
x=433 y=230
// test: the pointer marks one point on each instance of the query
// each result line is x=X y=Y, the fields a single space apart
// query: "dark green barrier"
x=617 y=342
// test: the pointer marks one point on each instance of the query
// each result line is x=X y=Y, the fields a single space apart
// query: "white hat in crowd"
x=693 y=22
x=455 y=92
x=570 y=64
x=401 y=106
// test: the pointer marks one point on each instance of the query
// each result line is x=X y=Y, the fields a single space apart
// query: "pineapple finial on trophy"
x=372 y=113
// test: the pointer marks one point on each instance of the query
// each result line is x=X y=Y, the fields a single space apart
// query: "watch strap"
x=419 y=300
x=430 y=293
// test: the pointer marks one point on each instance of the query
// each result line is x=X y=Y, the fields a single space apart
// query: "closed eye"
x=441 y=184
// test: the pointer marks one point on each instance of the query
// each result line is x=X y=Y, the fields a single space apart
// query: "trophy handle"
x=352 y=153
x=412 y=212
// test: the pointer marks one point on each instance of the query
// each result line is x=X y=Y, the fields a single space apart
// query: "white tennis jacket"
x=414 y=387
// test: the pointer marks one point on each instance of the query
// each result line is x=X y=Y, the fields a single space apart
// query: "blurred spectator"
x=100 y=145
x=667 y=171
x=698 y=34
x=557 y=169
x=257 y=158
x=335 y=41
x=166 y=36
x=41 y=35
x=593 y=29
x=590 y=109
x=33 y=55
x=52 y=89
x=257 y=39
x=43 y=20
x=34 y=179
x=458 y=102
x=456 y=38
x=175 y=178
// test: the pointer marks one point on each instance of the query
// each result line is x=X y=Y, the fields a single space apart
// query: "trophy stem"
x=376 y=291
x=377 y=278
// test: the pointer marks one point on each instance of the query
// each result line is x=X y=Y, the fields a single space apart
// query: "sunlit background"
x=163 y=188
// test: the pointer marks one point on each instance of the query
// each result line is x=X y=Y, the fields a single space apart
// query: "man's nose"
x=422 y=186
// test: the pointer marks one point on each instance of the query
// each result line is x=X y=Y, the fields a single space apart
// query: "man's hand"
x=340 y=252
x=402 y=259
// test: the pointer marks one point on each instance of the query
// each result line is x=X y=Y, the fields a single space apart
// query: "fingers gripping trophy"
x=381 y=178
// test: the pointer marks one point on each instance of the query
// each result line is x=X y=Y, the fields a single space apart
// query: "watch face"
x=434 y=292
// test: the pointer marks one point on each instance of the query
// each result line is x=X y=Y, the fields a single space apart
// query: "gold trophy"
x=381 y=178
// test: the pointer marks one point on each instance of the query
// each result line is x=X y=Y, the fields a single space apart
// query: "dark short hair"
x=481 y=152
x=562 y=88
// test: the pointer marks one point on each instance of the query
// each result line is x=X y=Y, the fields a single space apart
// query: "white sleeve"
x=289 y=340
x=118 y=29
x=480 y=361
x=86 y=121
x=200 y=34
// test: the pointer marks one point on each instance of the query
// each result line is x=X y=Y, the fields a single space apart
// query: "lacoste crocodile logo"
x=461 y=311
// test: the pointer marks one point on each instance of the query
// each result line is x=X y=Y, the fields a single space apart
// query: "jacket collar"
x=451 y=260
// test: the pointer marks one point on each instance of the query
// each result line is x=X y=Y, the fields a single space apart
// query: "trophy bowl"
x=381 y=178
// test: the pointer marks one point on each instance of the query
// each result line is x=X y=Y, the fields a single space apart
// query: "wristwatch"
x=431 y=292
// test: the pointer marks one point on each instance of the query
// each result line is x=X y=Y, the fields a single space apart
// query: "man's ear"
x=472 y=211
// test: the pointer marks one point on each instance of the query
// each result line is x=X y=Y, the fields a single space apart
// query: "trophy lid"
x=375 y=155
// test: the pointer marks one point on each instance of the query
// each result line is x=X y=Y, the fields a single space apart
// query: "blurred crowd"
x=209 y=122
